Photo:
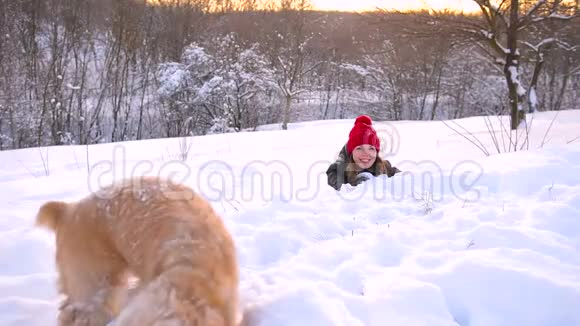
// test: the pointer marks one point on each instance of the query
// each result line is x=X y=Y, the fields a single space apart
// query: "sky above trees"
x=360 y=5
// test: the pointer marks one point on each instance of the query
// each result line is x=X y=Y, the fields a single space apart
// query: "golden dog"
x=170 y=238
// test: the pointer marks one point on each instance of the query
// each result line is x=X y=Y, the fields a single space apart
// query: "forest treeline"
x=91 y=71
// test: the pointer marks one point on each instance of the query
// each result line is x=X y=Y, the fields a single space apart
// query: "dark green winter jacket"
x=337 y=171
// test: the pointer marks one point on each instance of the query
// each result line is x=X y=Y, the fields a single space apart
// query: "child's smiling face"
x=364 y=156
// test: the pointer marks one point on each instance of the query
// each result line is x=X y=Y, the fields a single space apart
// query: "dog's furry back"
x=162 y=232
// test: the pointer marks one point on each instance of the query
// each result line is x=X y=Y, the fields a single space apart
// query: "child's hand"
x=363 y=176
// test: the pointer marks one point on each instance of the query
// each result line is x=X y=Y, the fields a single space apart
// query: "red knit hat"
x=362 y=133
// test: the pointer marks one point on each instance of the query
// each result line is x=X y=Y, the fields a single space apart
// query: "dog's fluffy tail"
x=50 y=214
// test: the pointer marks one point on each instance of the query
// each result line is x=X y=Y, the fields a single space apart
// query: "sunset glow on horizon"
x=403 y=5
x=466 y=6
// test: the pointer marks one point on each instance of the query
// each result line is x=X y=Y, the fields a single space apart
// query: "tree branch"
x=525 y=20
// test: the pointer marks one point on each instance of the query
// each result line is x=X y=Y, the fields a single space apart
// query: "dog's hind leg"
x=94 y=286
x=174 y=298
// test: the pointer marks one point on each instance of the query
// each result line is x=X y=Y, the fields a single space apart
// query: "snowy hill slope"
x=458 y=239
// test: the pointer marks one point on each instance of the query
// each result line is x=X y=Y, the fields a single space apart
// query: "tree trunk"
x=566 y=78
x=437 y=92
x=551 y=88
x=423 y=103
x=327 y=99
x=12 y=126
x=516 y=95
x=1 y=134
x=532 y=95
x=141 y=107
x=287 y=112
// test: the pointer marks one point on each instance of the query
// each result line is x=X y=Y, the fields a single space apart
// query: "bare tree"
x=292 y=53
x=501 y=31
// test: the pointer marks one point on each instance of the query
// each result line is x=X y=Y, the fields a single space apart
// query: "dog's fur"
x=166 y=235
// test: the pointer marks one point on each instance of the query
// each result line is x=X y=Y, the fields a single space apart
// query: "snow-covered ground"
x=458 y=239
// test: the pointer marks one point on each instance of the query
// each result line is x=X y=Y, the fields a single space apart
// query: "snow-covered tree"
x=501 y=35
x=509 y=33
x=184 y=88
x=402 y=78
x=230 y=85
x=292 y=55
x=380 y=91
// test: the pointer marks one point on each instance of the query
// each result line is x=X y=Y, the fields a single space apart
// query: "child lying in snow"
x=358 y=159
